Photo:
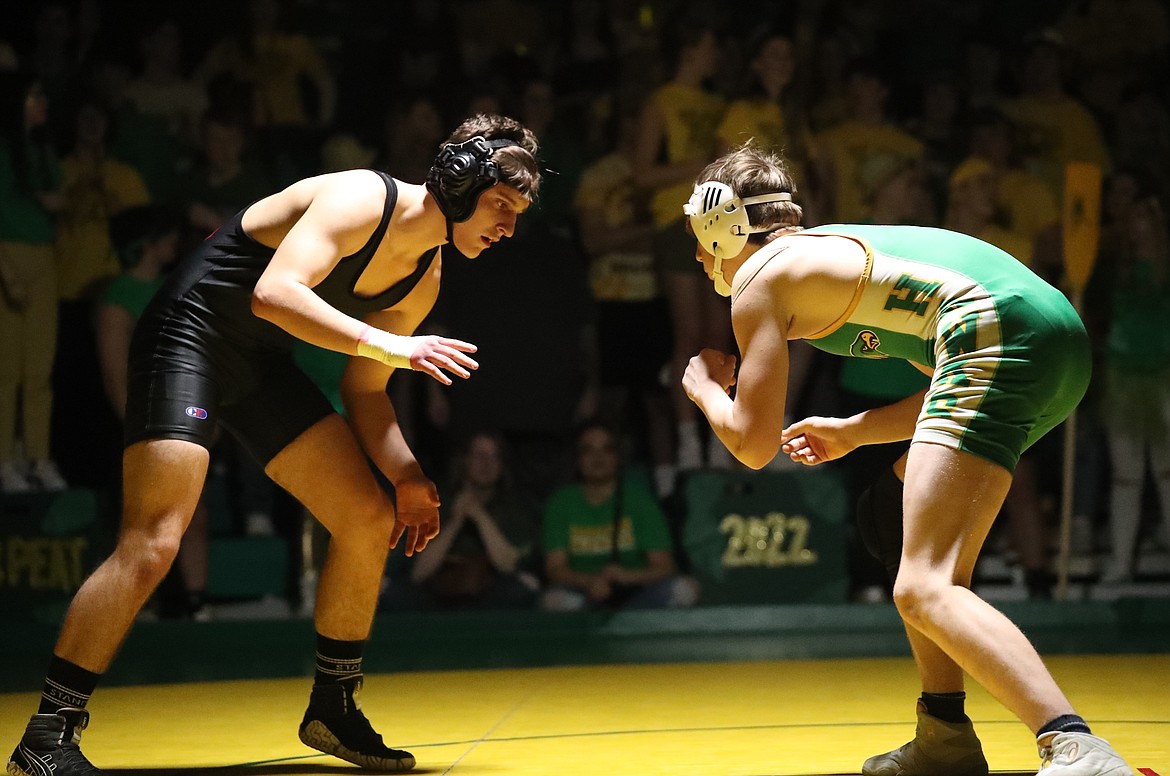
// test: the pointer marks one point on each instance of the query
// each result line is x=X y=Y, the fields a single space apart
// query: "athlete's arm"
x=891 y=423
x=816 y=440
x=339 y=220
x=749 y=425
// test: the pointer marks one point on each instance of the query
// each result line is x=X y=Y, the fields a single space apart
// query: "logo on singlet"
x=197 y=412
x=866 y=345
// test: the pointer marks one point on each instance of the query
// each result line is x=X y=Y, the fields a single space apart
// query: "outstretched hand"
x=417 y=515
x=816 y=440
x=433 y=354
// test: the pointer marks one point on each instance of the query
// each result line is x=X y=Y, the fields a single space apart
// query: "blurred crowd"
x=130 y=130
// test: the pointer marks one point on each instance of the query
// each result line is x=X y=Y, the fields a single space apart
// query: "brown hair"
x=517 y=163
x=749 y=171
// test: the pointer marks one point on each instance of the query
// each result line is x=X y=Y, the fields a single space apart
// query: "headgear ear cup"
x=462 y=172
x=720 y=223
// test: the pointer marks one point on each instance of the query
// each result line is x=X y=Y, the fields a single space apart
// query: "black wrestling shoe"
x=334 y=724
x=50 y=746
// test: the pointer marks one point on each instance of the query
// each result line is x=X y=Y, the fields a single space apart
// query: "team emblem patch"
x=197 y=412
x=867 y=345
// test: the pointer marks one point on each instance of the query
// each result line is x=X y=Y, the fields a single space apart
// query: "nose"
x=507 y=226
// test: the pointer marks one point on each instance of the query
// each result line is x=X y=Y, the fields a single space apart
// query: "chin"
x=470 y=251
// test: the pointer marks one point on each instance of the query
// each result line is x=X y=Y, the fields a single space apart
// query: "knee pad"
x=879 y=521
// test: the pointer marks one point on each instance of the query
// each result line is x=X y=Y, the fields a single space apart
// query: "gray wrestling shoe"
x=938 y=748
x=1079 y=754
x=334 y=724
x=50 y=746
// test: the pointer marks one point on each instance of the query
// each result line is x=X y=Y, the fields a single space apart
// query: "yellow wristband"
x=391 y=349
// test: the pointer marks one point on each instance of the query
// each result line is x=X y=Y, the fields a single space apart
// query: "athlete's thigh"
x=950 y=500
x=162 y=480
x=326 y=470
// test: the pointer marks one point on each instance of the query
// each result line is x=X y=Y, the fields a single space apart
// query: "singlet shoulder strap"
x=862 y=282
x=387 y=211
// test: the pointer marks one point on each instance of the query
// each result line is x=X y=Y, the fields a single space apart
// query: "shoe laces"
x=358 y=729
x=350 y=721
x=1062 y=746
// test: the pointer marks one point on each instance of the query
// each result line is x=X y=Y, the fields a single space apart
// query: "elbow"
x=756 y=462
x=755 y=456
x=266 y=300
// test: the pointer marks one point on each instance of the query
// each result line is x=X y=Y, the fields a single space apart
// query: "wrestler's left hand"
x=816 y=440
x=417 y=515
x=438 y=355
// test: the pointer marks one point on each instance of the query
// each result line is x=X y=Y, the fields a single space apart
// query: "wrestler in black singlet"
x=200 y=357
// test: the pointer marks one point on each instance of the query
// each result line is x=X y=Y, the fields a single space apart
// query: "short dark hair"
x=748 y=171
x=518 y=167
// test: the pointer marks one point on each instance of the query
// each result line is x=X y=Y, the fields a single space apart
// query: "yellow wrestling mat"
x=794 y=718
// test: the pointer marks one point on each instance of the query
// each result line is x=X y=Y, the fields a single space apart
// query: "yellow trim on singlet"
x=743 y=286
x=862 y=282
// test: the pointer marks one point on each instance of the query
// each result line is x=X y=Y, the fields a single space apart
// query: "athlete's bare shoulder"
x=808 y=278
x=350 y=197
x=337 y=202
x=810 y=256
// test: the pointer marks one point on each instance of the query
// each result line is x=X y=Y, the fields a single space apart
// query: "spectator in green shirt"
x=606 y=539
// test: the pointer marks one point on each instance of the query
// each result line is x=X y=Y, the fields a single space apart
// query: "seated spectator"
x=484 y=558
x=606 y=540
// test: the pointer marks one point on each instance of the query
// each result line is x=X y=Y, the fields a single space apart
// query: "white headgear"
x=719 y=220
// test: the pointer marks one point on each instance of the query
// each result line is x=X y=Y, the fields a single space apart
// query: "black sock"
x=337 y=661
x=947 y=706
x=66 y=684
x=1065 y=723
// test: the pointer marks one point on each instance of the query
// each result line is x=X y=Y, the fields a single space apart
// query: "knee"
x=147 y=556
x=916 y=596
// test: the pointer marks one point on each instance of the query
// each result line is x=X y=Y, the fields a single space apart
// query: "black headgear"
x=461 y=173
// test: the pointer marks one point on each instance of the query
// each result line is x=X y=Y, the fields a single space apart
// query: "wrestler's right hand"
x=417 y=514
